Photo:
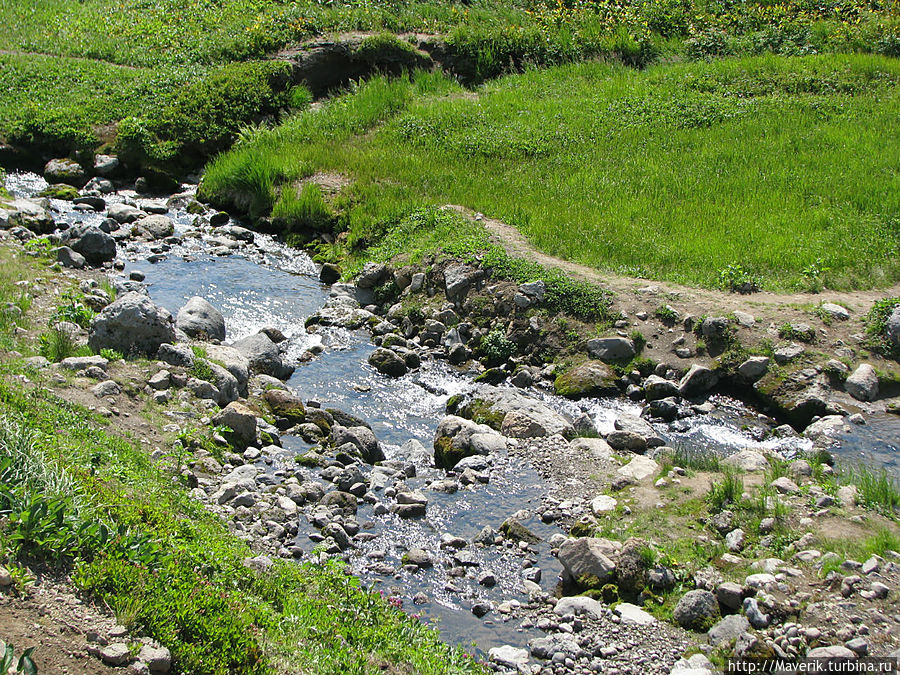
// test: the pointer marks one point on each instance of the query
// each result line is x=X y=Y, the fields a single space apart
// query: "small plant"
x=9 y=664
x=877 y=490
x=496 y=348
x=792 y=331
x=202 y=371
x=877 y=325
x=666 y=314
x=111 y=354
x=726 y=492
x=812 y=275
x=736 y=279
x=57 y=344
x=637 y=337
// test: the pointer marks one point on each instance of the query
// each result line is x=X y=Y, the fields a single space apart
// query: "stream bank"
x=451 y=564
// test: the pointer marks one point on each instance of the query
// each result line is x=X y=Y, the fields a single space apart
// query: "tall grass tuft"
x=878 y=490
x=726 y=492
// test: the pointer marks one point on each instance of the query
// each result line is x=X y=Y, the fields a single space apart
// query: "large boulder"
x=285 y=404
x=132 y=324
x=863 y=383
x=232 y=361
x=697 y=610
x=360 y=437
x=242 y=422
x=388 y=362
x=155 y=227
x=30 y=214
x=698 y=380
x=892 y=327
x=264 y=356
x=458 y=280
x=124 y=213
x=588 y=561
x=94 y=244
x=591 y=378
x=456 y=438
x=65 y=171
x=611 y=349
x=201 y=320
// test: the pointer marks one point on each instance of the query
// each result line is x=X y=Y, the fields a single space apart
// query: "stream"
x=268 y=284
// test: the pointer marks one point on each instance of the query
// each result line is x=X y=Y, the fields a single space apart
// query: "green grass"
x=726 y=163
x=93 y=503
x=878 y=490
x=14 y=301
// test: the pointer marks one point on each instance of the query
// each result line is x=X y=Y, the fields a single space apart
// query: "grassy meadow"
x=77 y=68
x=786 y=167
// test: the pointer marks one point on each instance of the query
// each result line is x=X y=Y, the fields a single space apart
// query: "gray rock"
x=32 y=215
x=242 y=422
x=714 y=327
x=360 y=437
x=69 y=258
x=634 y=614
x=116 y=654
x=748 y=460
x=754 y=368
x=728 y=629
x=131 y=324
x=388 y=362
x=158 y=659
x=458 y=280
x=588 y=558
x=788 y=353
x=754 y=615
x=199 y=319
x=735 y=540
x=579 y=605
x=232 y=361
x=863 y=383
x=834 y=652
x=155 y=227
x=730 y=595
x=534 y=289
x=508 y=656
x=124 y=213
x=106 y=388
x=627 y=440
x=176 y=355
x=106 y=165
x=77 y=363
x=65 y=171
x=263 y=356
x=611 y=349
x=639 y=468
x=835 y=311
x=656 y=388
x=94 y=244
x=892 y=327
x=372 y=275
x=698 y=380
x=696 y=610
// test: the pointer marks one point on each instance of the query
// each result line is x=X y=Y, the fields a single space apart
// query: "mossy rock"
x=59 y=191
x=589 y=581
x=482 y=412
x=454 y=402
x=311 y=459
x=591 y=378
x=609 y=593
x=284 y=404
x=492 y=376
x=513 y=529
x=582 y=529
x=446 y=455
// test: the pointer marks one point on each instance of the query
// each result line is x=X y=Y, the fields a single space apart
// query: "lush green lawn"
x=785 y=166
x=54 y=106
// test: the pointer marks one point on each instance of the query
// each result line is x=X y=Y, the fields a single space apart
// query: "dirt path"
x=769 y=310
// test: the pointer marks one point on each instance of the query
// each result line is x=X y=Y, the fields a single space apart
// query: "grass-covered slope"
x=60 y=104
x=784 y=166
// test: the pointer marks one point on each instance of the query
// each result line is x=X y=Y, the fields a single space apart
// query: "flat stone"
x=634 y=614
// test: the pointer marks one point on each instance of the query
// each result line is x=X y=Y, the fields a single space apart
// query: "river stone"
x=158 y=659
x=124 y=213
x=458 y=280
x=116 y=654
x=627 y=440
x=199 y=319
x=69 y=258
x=65 y=171
x=595 y=448
x=372 y=275
x=863 y=383
x=132 y=324
x=155 y=226
x=785 y=486
x=285 y=404
x=27 y=213
x=508 y=656
x=94 y=244
x=388 y=362
x=639 y=468
x=587 y=560
x=657 y=388
x=105 y=165
x=603 y=504
x=233 y=361
x=698 y=380
x=696 y=610
x=537 y=422
x=892 y=326
x=747 y=460
x=754 y=368
x=591 y=378
x=579 y=605
x=611 y=349
x=227 y=384
x=264 y=356
x=834 y=652
x=835 y=311
x=242 y=422
x=728 y=629
x=634 y=614
x=362 y=438
x=729 y=594
x=330 y=274
x=176 y=355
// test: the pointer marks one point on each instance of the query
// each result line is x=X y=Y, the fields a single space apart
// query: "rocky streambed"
x=341 y=445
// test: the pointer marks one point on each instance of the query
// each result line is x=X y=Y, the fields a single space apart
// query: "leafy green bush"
x=21 y=666
x=203 y=116
x=876 y=327
x=724 y=493
x=496 y=348
x=58 y=343
x=73 y=311
x=736 y=279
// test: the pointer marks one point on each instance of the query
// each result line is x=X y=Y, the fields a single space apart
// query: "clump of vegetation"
x=726 y=492
x=877 y=490
x=876 y=327
x=301 y=210
x=735 y=278
x=58 y=343
x=24 y=665
x=496 y=348
x=790 y=331
x=73 y=311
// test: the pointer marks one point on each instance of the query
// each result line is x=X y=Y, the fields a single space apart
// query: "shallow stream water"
x=278 y=287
